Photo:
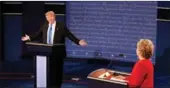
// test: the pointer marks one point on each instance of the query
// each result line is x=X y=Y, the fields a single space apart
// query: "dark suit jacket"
x=61 y=31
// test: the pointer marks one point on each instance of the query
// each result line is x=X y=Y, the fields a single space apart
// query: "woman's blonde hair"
x=145 y=48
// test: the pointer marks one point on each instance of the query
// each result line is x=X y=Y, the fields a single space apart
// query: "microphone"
x=121 y=55
x=107 y=72
x=111 y=61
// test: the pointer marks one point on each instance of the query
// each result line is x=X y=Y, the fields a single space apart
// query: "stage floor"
x=72 y=69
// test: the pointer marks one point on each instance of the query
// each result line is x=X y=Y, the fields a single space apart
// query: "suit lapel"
x=46 y=29
x=55 y=31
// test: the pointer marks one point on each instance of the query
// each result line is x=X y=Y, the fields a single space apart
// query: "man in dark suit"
x=53 y=32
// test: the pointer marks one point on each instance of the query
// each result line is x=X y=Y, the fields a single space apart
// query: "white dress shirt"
x=53 y=31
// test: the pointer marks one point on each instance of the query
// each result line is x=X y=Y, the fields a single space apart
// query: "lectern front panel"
x=41 y=71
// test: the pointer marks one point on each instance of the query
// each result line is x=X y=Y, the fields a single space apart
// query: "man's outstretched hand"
x=25 y=38
x=82 y=43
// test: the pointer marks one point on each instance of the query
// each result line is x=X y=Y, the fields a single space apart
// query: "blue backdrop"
x=12 y=37
x=110 y=28
x=13 y=31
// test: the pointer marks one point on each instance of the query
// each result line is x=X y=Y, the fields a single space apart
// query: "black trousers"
x=55 y=72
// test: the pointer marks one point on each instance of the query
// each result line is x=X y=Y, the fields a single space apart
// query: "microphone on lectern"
x=116 y=56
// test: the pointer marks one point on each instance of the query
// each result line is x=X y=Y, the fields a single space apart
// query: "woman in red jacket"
x=142 y=73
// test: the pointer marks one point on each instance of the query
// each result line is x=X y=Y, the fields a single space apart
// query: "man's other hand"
x=82 y=43
x=25 y=38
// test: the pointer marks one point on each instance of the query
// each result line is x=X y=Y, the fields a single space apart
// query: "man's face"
x=50 y=18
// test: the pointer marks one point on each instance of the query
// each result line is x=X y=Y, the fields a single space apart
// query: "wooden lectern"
x=46 y=59
x=95 y=80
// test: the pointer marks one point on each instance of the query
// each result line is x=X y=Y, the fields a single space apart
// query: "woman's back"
x=149 y=78
x=142 y=75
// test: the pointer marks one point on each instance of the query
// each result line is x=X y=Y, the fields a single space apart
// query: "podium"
x=97 y=79
x=47 y=57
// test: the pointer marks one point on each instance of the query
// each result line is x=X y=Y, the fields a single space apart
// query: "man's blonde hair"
x=145 y=48
x=50 y=13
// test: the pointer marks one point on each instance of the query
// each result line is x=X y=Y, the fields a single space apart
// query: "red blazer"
x=141 y=75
